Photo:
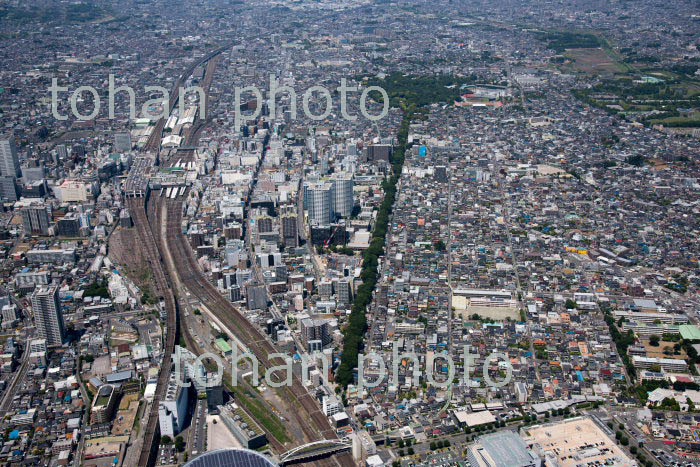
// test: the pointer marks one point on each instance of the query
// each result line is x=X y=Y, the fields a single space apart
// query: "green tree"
x=166 y=440
x=180 y=444
x=654 y=340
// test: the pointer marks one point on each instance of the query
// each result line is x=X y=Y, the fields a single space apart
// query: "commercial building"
x=473 y=419
x=244 y=428
x=574 y=442
x=501 y=449
x=75 y=191
x=122 y=142
x=9 y=168
x=47 y=315
x=190 y=369
x=68 y=225
x=8 y=188
x=37 y=345
x=377 y=152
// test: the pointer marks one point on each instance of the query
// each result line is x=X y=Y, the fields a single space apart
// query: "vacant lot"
x=124 y=420
x=658 y=352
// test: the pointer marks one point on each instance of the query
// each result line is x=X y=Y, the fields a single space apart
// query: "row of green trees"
x=357 y=323
x=622 y=341
x=409 y=93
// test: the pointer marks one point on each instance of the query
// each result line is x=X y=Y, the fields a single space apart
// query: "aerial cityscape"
x=350 y=233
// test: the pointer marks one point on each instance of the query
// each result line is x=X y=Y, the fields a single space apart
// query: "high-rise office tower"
x=319 y=203
x=9 y=168
x=256 y=297
x=9 y=160
x=290 y=236
x=323 y=165
x=344 y=291
x=61 y=152
x=36 y=219
x=47 y=315
x=8 y=188
x=264 y=224
x=342 y=200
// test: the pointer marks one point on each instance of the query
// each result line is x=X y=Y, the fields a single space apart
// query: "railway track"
x=148 y=216
x=310 y=419
x=137 y=207
x=155 y=213
x=152 y=247
x=308 y=415
x=153 y=143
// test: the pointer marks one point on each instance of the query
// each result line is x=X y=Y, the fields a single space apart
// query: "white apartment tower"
x=342 y=200
x=47 y=315
x=319 y=203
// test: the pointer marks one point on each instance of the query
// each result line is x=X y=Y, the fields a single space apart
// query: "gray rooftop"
x=507 y=449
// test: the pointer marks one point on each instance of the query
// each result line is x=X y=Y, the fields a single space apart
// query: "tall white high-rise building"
x=342 y=200
x=172 y=410
x=47 y=315
x=319 y=203
x=9 y=159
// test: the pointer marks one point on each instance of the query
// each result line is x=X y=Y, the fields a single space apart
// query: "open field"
x=592 y=61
